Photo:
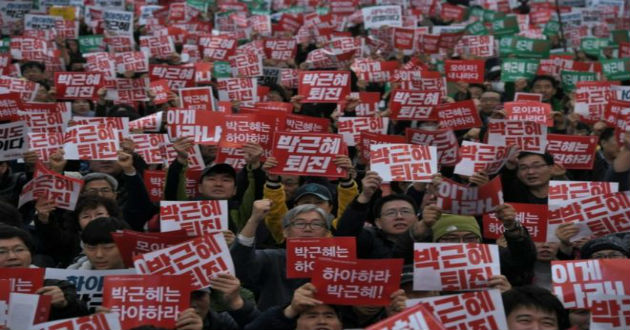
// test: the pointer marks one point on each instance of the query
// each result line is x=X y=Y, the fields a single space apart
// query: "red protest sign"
x=197 y=98
x=91 y=142
x=78 y=85
x=131 y=90
x=201 y=259
x=157 y=46
x=562 y=193
x=26 y=89
x=149 y=147
x=312 y=153
x=454 y=266
x=368 y=103
x=146 y=299
x=453 y=12
x=414 y=105
x=101 y=321
x=533 y=217
x=217 y=48
x=528 y=136
x=195 y=159
x=45 y=144
x=280 y=49
x=404 y=162
x=458 y=115
x=303 y=252
x=51 y=186
x=132 y=243
x=536 y=112
x=352 y=127
x=416 y=317
x=576 y=282
x=204 y=126
x=115 y=123
x=598 y=215
x=476 y=157
x=460 y=199
x=45 y=117
x=323 y=86
x=178 y=76
x=572 y=151
x=527 y=97
x=238 y=89
x=9 y=107
x=610 y=312
x=231 y=156
x=356 y=282
x=591 y=98
x=131 y=61
x=471 y=71
x=154 y=180
x=203 y=72
x=275 y=106
x=247 y=64
x=23 y=280
x=374 y=71
x=404 y=38
x=470 y=310
x=300 y=123
x=478 y=45
x=160 y=90
x=443 y=139
x=196 y=217
x=253 y=128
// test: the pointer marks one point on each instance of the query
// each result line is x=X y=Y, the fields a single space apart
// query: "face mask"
x=498 y=86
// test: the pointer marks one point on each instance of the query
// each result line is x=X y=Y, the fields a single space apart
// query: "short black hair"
x=33 y=64
x=394 y=197
x=549 y=78
x=9 y=214
x=547 y=157
x=606 y=134
x=99 y=230
x=8 y=232
x=91 y=202
x=536 y=297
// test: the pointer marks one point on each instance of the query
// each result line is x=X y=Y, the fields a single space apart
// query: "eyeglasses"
x=313 y=225
x=459 y=239
x=611 y=255
x=4 y=253
x=404 y=212
x=535 y=167
x=96 y=191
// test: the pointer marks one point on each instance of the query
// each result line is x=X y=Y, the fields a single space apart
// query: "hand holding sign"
x=58 y=298
x=507 y=214
x=252 y=153
x=230 y=287
x=125 y=160
x=370 y=183
x=303 y=299
x=398 y=303
x=189 y=319
x=182 y=145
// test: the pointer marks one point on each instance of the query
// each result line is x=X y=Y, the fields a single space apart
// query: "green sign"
x=505 y=46
x=570 y=78
x=91 y=43
x=476 y=28
x=552 y=28
x=221 y=70
x=513 y=69
x=199 y=5
x=592 y=46
x=531 y=48
x=490 y=15
x=618 y=36
x=616 y=69
x=504 y=26
x=477 y=12
x=4 y=45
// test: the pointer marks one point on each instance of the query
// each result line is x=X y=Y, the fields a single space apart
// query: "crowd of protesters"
x=265 y=209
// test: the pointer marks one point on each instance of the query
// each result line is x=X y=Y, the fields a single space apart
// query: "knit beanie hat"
x=451 y=222
x=610 y=242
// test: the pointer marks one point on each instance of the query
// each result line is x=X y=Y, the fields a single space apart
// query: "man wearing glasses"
x=526 y=179
x=264 y=271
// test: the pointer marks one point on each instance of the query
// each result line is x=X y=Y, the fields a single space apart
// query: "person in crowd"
x=532 y=307
x=99 y=247
x=16 y=248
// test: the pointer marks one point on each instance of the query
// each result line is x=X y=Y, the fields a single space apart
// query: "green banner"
x=91 y=43
x=221 y=69
x=490 y=15
x=476 y=28
x=618 y=36
x=4 y=45
x=570 y=78
x=200 y=5
x=505 y=46
x=504 y=26
x=592 y=46
x=531 y=48
x=477 y=12
x=513 y=69
x=616 y=69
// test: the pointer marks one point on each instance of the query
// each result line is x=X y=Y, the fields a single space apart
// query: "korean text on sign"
x=404 y=162
x=454 y=266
